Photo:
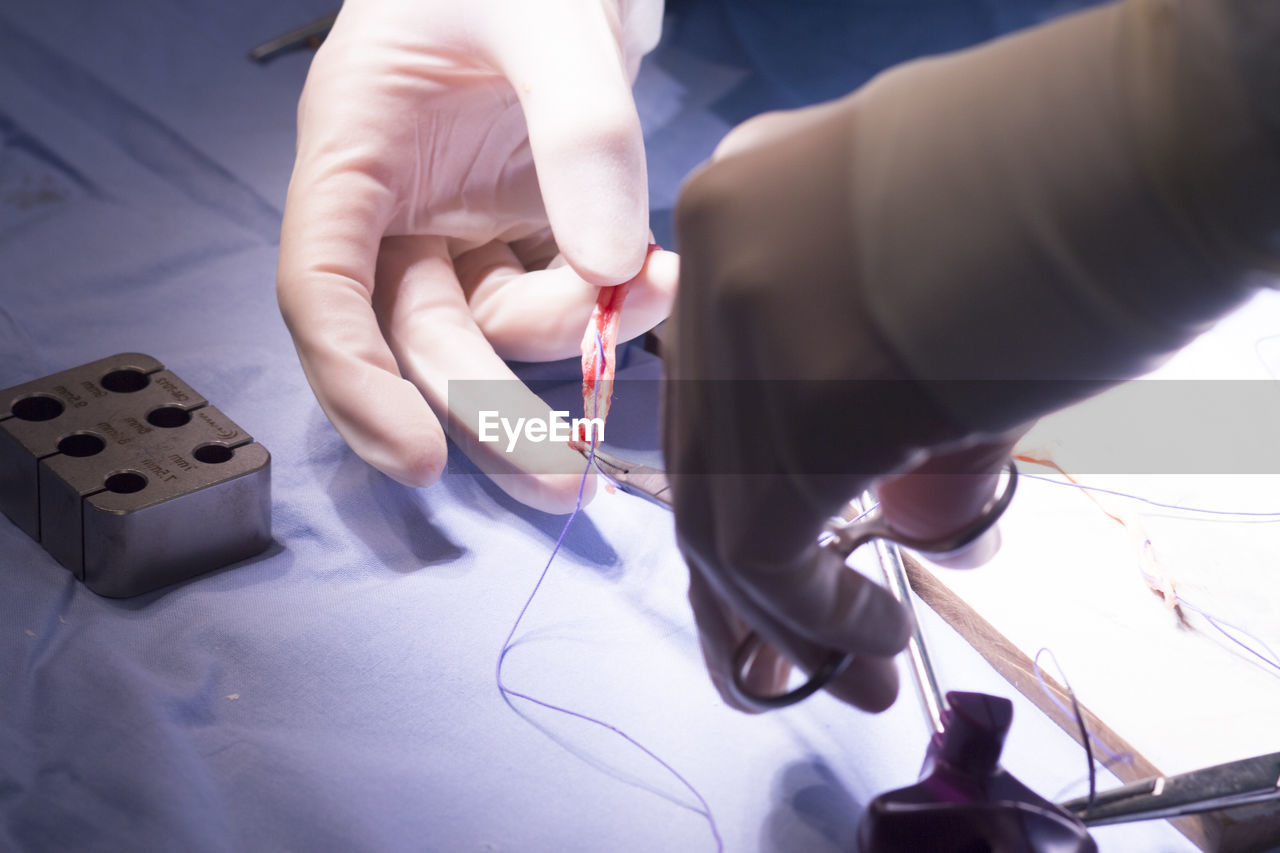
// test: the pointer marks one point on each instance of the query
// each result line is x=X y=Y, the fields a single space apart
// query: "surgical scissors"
x=841 y=535
x=633 y=478
x=1237 y=783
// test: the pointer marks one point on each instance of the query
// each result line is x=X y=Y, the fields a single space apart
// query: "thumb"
x=585 y=135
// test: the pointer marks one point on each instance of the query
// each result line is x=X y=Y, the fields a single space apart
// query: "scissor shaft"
x=926 y=680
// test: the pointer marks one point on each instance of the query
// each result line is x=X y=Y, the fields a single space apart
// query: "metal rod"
x=932 y=701
x=309 y=35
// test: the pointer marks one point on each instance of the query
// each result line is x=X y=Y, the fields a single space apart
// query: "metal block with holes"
x=129 y=478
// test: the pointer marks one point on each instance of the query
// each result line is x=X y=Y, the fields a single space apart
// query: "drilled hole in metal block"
x=81 y=444
x=168 y=417
x=125 y=482
x=213 y=454
x=37 y=407
x=125 y=381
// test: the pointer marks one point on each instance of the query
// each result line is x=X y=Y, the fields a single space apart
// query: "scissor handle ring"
x=987 y=519
x=846 y=537
x=834 y=664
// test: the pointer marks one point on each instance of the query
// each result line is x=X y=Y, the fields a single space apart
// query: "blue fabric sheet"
x=336 y=692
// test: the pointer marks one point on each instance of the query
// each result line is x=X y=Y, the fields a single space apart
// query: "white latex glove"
x=1061 y=209
x=468 y=175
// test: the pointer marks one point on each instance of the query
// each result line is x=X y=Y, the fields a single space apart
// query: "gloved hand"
x=468 y=176
x=896 y=282
x=769 y=295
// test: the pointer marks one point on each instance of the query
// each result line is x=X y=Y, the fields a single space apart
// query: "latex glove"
x=468 y=176
x=979 y=216
x=758 y=466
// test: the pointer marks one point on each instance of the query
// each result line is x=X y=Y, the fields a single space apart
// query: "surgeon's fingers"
x=438 y=346
x=869 y=682
x=333 y=222
x=753 y=536
x=540 y=315
x=584 y=133
x=738 y=534
x=720 y=631
x=824 y=602
x=936 y=499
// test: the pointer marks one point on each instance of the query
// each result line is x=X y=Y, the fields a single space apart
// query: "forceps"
x=841 y=535
x=1223 y=786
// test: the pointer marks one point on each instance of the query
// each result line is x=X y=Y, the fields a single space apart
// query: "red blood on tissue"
x=597 y=356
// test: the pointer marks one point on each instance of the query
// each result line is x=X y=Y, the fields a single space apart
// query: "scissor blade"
x=643 y=481
x=1236 y=783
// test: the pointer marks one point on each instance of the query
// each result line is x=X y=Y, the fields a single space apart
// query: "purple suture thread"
x=1270 y=516
x=1085 y=735
x=506 y=644
x=1222 y=626
x=1267 y=655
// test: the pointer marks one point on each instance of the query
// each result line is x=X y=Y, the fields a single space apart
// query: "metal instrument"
x=632 y=478
x=129 y=478
x=1222 y=786
x=1007 y=810
x=307 y=36
x=843 y=536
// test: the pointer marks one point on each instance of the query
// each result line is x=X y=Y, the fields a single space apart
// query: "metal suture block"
x=129 y=478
